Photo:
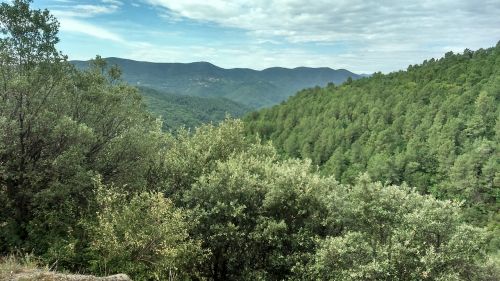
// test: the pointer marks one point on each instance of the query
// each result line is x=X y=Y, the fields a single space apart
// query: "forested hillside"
x=179 y=111
x=252 y=88
x=90 y=183
x=435 y=126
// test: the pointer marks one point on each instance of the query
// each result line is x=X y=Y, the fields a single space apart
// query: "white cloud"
x=85 y=10
x=69 y=24
x=360 y=35
x=374 y=30
x=71 y=18
x=326 y=20
x=114 y=2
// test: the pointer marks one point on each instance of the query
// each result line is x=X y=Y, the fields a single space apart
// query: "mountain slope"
x=435 y=126
x=250 y=87
x=189 y=111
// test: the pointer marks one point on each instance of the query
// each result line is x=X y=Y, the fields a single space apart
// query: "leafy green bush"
x=393 y=233
x=143 y=235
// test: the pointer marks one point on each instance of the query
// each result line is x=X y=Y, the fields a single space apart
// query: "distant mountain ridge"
x=253 y=88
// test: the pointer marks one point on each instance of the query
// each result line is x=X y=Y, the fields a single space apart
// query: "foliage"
x=59 y=128
x=191 y=155
x=393 y=233
x=144 y=235
x=89 y=182
x=259 y=217
x=265 y=218
x=179 y=111
x=434 y=126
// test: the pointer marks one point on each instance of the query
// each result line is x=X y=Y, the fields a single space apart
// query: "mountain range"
x=252 y=88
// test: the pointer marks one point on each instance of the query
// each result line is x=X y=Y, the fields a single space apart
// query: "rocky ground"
x=51 y=276
x=12 y=269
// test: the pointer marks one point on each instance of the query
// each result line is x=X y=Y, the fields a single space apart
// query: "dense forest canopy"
x=90 y=183
x=435 y=126
x=178 y=111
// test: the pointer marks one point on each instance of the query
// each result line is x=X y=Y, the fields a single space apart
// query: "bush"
x=393 y=233
x=142 y=235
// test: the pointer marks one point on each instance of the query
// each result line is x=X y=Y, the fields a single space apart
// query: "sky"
x=363 y=36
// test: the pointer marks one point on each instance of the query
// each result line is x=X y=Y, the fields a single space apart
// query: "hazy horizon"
x=227 y=68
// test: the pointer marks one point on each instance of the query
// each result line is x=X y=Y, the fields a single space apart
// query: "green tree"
x=60 y=128
x=31 y=69
x=258 y=216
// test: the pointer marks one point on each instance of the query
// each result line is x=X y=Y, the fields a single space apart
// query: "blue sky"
x=360 y=35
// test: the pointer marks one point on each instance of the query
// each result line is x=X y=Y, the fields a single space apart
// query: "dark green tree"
x=59 y=128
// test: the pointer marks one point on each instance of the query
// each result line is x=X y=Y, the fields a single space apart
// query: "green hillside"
x=91 y=184
x=435 y=126
x=246 y=86
x=189 y=111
